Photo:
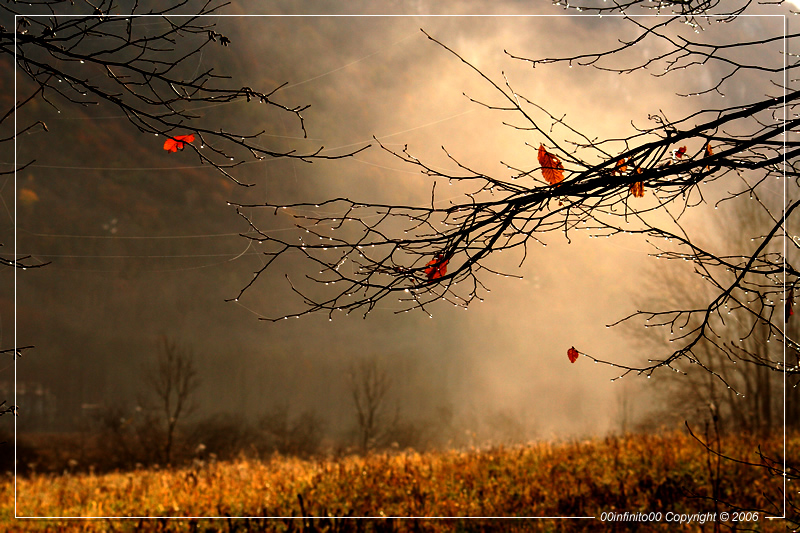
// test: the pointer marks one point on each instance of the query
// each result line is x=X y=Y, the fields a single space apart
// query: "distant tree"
x=740 y=396
x=369 y=387
x=172 y=380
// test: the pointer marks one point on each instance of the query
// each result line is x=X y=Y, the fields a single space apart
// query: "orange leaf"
x=552 y=169
x=573 y=354
x=709 y=152
x=621 y=167
x=436 y=268
x=173 y=144
x=637 y=189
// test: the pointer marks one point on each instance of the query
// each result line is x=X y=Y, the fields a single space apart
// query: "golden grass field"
x=637 y=473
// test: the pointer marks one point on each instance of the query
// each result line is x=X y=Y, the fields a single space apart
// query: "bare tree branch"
x=419 y=255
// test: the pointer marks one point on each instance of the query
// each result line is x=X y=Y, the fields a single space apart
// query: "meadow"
x=660 y=473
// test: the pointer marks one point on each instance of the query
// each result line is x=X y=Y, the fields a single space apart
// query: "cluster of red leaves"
x=436 y=268
x=173 y=144
x=637 y=187
x=552 y=169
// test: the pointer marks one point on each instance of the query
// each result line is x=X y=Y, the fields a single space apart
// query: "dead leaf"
x=621 y=167
x=436 y=268
x=572 y=354
x=173 y=144
x=552 y=169
x=709 y=152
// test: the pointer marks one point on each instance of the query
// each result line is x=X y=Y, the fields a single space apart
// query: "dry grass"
x=634 y=473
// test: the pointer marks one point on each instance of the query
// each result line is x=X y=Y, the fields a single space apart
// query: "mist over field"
x=143 y=243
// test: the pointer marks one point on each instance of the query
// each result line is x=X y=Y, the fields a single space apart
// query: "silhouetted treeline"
x=119 y=440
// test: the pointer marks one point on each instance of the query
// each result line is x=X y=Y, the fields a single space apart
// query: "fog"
x=143 y=243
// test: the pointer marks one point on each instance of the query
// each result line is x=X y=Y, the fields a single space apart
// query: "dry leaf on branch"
x=173 y=144
x=573 y=354
x=621 y=167
x=552 y=169
x=436 y=268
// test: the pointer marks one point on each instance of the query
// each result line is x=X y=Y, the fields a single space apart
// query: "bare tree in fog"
x=360 y=253
x=754 y=401
x=369 y=385
x=172 y=380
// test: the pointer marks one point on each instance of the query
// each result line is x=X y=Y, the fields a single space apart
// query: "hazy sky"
x=364 y=77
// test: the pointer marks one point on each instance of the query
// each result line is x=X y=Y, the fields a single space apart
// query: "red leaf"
x=790 y=304
x=173 y=144
x=680 y=152
x=436 y=268
x=573 y=354
x=552 y=169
